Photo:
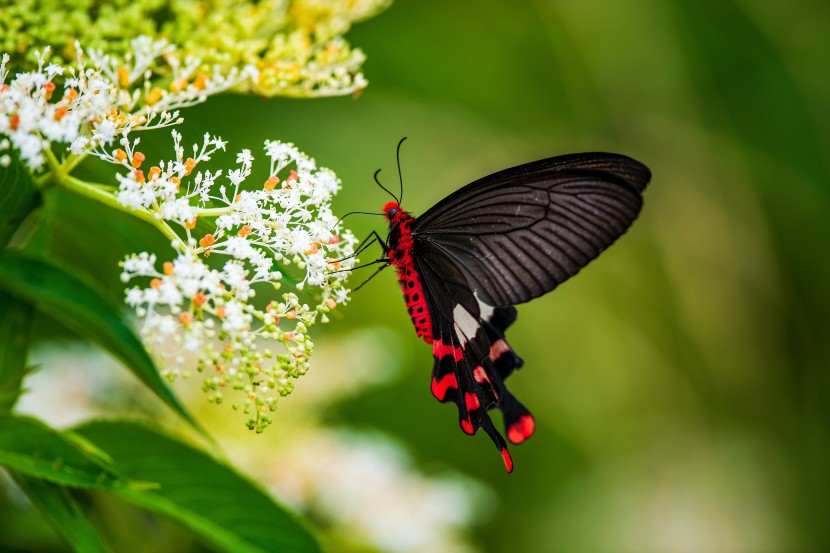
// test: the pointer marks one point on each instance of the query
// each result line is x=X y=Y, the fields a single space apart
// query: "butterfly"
x=502 y=240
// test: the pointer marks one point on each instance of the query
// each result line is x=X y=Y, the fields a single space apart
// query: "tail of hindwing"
x=470 y=371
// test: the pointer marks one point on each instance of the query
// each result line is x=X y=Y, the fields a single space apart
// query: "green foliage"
x=61 y=510
x=32 y=448
x=149 y=469
x=198 y=491
x=15 y=323
x=81 y=309
x=18 y=198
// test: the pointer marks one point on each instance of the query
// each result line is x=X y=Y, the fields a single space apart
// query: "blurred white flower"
x=365 y=486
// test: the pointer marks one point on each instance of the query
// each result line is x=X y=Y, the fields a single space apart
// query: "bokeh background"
x=680 y=383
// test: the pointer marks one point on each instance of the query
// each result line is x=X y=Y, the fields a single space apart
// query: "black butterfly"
x=504 y=239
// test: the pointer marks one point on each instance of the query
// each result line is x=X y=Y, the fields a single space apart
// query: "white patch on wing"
x=485 y=310
x=465 y=324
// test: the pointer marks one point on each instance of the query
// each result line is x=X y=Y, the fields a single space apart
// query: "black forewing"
x=521 y=232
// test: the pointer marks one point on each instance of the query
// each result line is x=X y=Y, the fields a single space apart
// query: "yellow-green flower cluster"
x=297 y=45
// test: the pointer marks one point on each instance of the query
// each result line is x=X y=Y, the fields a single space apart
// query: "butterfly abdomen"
x=400 y=255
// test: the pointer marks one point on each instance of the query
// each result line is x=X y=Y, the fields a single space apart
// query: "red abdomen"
x=400 y=256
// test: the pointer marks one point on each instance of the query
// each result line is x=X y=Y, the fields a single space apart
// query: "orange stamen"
x=153 y=96
x=60 y=113
x=155 y=283
x=334 y=239
x=272 y=182
x=201 y=81
x=191 y=224
x=14 y=122
x=48 y=89
x=199 y=299
x=120 y=155
x=291 y=314
x=244 y=231
x=139 y=176
x=178 y=84
x=220 y=312
x=189 y=164
x=292 y=175
x=207 y=240
x=168 y=267
x=123 y=76
x=138 y=159
x=155 y=172
x=186 y=318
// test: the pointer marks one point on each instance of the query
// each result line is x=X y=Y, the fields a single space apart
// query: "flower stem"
x=213 y=211
x=101 y=196
x=71 y=162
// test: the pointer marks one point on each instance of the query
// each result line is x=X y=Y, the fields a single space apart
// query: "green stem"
x=213 y=211
x=71 y=162
x=94 y=193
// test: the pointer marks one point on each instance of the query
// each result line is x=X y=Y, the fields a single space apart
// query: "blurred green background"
x=680 y=383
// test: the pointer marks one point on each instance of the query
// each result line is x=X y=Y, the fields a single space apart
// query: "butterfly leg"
x=365 y=243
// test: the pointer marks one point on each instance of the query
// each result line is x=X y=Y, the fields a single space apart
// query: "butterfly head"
x=391 y=210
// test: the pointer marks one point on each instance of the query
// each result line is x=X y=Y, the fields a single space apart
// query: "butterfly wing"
x=521 y=232
x=472 y=358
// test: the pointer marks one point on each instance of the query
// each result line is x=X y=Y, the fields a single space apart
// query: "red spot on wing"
x=508 y=461
x=467 y=426
x=480 y=375
x=440 y=387
x=522 y=429
x=471 y=400
x=498 y=348
x=440 y=349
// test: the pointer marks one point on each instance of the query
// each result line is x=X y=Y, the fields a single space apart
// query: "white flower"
x=264 y=235
x=98 y=107
x=261 y=232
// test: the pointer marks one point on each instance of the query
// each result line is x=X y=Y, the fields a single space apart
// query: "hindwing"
x=472 y=357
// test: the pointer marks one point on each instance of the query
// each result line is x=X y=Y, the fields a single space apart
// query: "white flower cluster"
x=236 y=238
x=101 y=98
x=201 y=307
x=365 y=487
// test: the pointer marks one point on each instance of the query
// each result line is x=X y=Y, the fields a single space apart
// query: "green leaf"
x=30 y=447
x=57 y=506
x=18 y=197
x=80 y=308
x=71 y=224
x=15 y=325
x=199 y=491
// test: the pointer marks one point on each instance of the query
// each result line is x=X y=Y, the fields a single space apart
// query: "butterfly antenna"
x=400 y=175
x=384 y=188
x=355 y=213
